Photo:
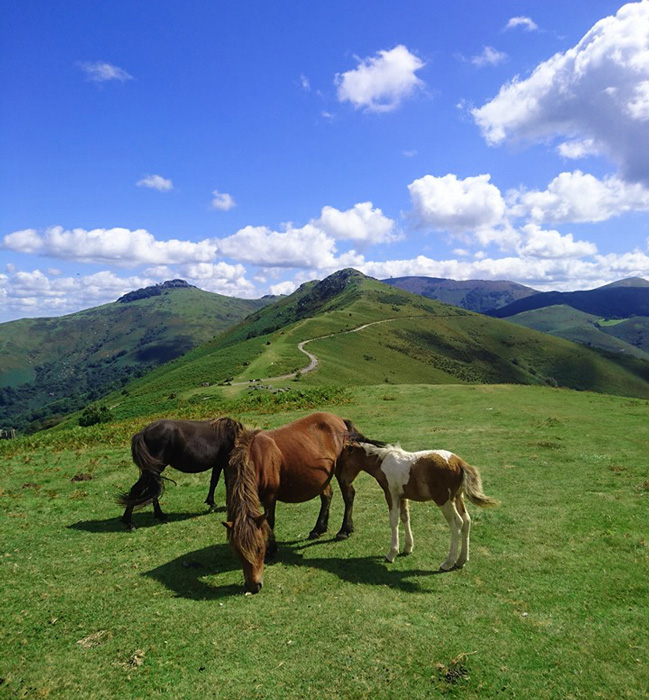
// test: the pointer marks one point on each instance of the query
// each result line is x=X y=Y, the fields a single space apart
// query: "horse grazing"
x=294 y=463
x=187 y=445
x=435 y=475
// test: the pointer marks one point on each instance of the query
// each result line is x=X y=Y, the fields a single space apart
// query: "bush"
x=95 y=414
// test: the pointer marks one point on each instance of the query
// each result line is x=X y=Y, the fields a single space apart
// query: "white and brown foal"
x=429 y=475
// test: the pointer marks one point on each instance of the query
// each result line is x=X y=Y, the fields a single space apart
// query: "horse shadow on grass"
x=142 y=520
x=186 y=574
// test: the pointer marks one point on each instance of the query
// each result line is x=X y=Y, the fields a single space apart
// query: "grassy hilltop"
x=551 y=605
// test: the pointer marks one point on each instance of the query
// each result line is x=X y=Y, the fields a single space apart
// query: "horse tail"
x=355 y=435
x=150 y=485
x=472 y=487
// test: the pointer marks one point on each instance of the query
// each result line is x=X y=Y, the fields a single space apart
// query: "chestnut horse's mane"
x=242 y=496
x=226 y=427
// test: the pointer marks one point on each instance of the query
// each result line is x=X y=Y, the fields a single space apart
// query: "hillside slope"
x=474 y=295
x=53 y=365
x=421 y=342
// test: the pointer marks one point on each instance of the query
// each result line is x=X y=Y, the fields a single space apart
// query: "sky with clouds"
x=248 y=147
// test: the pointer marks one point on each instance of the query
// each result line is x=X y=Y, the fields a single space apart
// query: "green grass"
x=551 y=605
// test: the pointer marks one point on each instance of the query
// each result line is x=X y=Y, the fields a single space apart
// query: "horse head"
x=249 y=536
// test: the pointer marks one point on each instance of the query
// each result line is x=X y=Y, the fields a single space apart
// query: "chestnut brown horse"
x=429 y=475
x=190 y=446
x=292 y=464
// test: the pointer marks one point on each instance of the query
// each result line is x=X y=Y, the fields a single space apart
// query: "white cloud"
x=156 y=182
x=362 y=224
x=489 y=57
x=577 y=148
x=221 y=201
x=296 y=247
x=287 y=287
x=580 y=197
x=101 y=72
x=119 y=246
x=380 y=83
x=595 y=91
x=525 y=23
x=458 y=206
x=552 y=245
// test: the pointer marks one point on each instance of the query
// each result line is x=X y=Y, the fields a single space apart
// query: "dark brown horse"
x=187 y=445
x=294 y=463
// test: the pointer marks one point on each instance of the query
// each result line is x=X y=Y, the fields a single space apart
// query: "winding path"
x=313 y=360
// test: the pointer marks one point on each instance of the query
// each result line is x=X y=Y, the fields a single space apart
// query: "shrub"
x=95 y=414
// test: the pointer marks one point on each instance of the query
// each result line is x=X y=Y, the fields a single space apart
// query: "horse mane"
x=226 y=428
x=380 y=450
x=354 y=435
x=242 y=495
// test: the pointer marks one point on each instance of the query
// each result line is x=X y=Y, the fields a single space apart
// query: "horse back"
x=433 y=476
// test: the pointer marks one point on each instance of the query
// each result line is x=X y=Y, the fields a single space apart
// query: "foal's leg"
x=322 y=522
x=214 y=480
x=394 y=524
x=455 y=524
x=405 y=519
x=347 y=527
x=466 y=529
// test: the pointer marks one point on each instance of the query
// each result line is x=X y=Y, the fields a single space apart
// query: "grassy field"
x=553 y=603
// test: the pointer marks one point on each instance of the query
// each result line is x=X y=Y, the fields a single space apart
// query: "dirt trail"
x=313 y=360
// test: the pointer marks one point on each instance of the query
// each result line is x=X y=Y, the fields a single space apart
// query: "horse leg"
x=157 y=511
x=394 y=524
x=347 y=527
x=322 y=522
x=455 y=523
x=466 y=529
x=214 y=480
x=126 y=518
x=271 y=547
x=405 y=519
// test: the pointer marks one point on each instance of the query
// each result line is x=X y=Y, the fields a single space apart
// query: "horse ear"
x=227 y=525
x=260 y=519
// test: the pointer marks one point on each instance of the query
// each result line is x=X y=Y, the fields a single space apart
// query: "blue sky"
x=248 y=147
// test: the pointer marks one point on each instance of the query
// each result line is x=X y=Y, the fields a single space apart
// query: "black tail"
x=143 y=491
x=149 y=485
x=356 y=436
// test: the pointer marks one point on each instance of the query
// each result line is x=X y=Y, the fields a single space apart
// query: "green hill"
x=413 y=340
x=49 y=366
x=630 y=336
x=475 y=295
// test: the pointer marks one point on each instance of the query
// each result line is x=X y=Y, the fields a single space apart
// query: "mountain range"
x=362 y=331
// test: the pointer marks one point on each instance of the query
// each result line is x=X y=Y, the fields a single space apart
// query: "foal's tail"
x=472 y=487
x=150 y=485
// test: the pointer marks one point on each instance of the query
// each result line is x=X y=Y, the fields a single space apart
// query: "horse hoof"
x=342 y=536
x=313 y=535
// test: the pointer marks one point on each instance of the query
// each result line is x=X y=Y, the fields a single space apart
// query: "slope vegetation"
x=424 y=342
x=52 y=365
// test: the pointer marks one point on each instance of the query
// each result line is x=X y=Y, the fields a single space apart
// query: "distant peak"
x=154 y=290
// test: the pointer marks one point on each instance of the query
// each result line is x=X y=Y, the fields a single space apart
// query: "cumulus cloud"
x=489 y=57
x=524 y=23
x=156 y=182
x=296 y=247
x=552 y=245
x=458 y=206
x=380 y=83
x=102 y=72
x=362 y=224
x=119 y=246
x=221 y=201
x=597 y=91
x=580 y=197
